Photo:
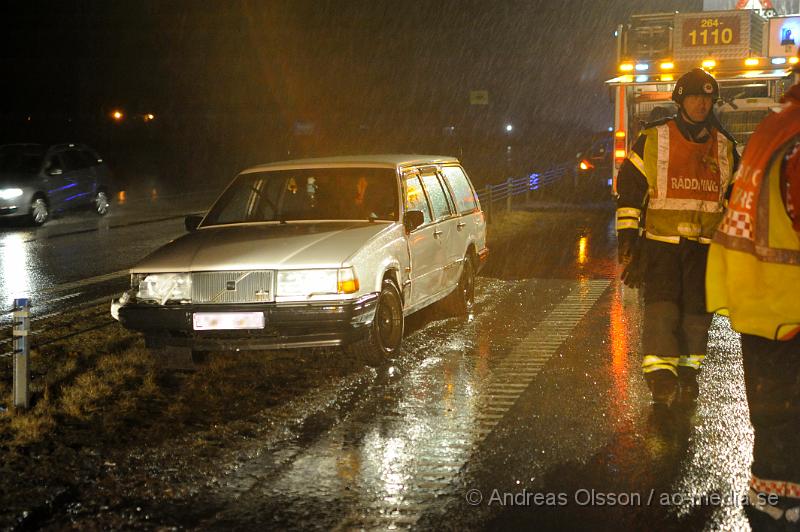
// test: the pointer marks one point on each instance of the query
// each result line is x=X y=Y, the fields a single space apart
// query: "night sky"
x=334 y=64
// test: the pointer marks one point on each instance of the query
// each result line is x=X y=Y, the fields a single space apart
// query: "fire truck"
x=750 y=56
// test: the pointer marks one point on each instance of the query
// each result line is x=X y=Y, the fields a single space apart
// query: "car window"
x=437 y=194
x=89 y=158
x=462 y=190
x=71 y=160
x=309 y=194
x=415 y=197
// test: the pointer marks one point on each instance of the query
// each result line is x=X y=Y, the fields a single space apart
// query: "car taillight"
x=585 y=165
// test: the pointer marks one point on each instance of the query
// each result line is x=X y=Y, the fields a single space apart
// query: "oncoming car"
x=314 y=253
x=37 y=180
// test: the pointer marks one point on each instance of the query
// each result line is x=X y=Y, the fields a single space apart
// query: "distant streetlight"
x=117 y=115
x=509 y=128
x=149 y=117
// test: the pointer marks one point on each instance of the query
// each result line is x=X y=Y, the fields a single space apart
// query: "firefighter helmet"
x=696 y=81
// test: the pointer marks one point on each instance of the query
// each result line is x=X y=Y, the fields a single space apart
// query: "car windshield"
x=308 y=194
x=25 y=159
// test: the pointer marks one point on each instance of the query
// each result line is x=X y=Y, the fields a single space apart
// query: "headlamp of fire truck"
x=626 y=67
x=751 y=61
x=709 y=63
x=162 y=287
x=667 y=65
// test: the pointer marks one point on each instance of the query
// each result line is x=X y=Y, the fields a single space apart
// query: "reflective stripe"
x=629 y=212
x=652 y=363
x=691 y=361
x=637 y=162
x=662 y=165
x=627 y=223
x=669 y=239
x=660 y=367
x=781 y=488
x=724 y=161
x=676 y=239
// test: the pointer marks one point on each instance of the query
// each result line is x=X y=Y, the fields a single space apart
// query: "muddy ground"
x=109 y=425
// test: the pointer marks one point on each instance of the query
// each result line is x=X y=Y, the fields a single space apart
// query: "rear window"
x=308 y=194
x=462 y=190
x=22 y=159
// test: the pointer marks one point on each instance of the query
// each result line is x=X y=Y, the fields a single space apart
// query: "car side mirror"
x=55 y=171
x=192 y=221
x=413 y=219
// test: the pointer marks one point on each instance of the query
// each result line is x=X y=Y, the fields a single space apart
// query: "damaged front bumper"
x=286 y=325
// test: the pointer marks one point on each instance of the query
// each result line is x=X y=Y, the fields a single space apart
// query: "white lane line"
x=515 y=373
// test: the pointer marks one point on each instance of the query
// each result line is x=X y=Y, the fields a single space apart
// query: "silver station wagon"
x=314 y=253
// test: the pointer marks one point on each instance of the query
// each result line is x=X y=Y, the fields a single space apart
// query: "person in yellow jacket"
x=753 y=276
x=671 y=189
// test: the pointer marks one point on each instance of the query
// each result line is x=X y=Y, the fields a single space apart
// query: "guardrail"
x=516 y=186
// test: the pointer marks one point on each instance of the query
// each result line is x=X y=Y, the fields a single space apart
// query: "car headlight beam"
x=10 y=193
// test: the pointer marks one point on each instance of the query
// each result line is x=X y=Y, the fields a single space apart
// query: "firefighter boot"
x=688 y=388
x=663 y=385
x=782 y=516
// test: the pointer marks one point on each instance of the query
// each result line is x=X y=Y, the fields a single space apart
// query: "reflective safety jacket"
x=686 y=184
x=753 y=272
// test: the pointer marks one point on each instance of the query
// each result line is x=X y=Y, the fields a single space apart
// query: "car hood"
x=262 y=246
x=14 y=179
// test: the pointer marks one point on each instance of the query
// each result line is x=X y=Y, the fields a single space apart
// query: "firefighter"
x=753 y=276
x=672 y=187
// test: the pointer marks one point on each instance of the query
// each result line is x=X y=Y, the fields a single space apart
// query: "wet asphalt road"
x=532 y=414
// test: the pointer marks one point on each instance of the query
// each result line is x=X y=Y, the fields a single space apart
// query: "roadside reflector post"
x=22 y=370
x=509 y=188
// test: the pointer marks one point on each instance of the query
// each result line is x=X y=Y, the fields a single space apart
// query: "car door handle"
x=461 y=225
x=437 y=233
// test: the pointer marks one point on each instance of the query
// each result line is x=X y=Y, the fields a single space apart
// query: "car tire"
x=461 y=301
x=385 y=334
x=39 y=211
x=100 y=203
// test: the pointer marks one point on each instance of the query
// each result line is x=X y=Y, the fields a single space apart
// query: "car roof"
x=355 y=161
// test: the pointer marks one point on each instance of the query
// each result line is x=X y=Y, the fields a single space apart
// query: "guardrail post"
x=491 y=199
x=22 y=370
x=509 y=191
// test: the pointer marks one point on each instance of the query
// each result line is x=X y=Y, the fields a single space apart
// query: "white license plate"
x=211 y=321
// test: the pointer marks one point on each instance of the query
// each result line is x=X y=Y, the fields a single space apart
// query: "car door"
x=425 y=250
x=443 y=222
x=470 y=226
x=59 y=180
x=78 y=169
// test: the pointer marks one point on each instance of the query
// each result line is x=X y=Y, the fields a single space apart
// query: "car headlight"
x=162 y=287
x=307 y=283
x=10 y=193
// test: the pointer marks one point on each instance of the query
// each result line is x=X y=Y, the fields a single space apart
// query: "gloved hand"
x=633 y=274
x=627 y=242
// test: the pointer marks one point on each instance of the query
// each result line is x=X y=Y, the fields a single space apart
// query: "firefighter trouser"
x=675 y=319
x=772 y=381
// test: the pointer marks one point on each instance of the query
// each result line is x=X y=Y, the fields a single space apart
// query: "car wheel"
x=386 y=331
x=40 y=211
x=462 y=300
x=100 y=203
